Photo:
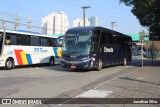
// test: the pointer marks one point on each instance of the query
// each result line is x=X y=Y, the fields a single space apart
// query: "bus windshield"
x=1 y=42
x=77 y=44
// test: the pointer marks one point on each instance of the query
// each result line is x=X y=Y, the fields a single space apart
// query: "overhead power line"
x=3 y=21
x=21 y=17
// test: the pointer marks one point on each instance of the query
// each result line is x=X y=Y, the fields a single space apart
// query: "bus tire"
x=124 y=63
x=9 y=64
x=51 y=61
x=100 y=65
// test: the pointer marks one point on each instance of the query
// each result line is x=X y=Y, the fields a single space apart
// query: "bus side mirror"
x=59 y=44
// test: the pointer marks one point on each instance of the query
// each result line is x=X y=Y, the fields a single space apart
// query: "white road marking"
x=94 y=94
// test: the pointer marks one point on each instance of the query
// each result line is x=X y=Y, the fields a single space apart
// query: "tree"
x=147 y=12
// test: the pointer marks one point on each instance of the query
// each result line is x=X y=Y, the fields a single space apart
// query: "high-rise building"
x=93 y=21
x=55 y=23
x=80 y=22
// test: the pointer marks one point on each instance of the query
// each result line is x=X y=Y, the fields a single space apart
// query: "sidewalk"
x=142 y=83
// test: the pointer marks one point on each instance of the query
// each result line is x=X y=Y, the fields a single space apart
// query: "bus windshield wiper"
x=66 y=54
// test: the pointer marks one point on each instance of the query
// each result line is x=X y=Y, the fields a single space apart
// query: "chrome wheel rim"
x=9 y=64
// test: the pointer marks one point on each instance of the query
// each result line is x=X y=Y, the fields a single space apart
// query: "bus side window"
x=8 y=41
x=122 y=41
x=44 y=41
x=96 y=36
x=103 y=38
x=92 y=47
x=34 y=41
x=11 y=39
x=25 y=40
x=37 y=41
x=18 y=39
x=1 y=41
x=110 y=38
x=50 y=42
x=116 y=39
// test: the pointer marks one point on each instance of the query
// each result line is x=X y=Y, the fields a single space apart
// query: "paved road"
x=50 y=82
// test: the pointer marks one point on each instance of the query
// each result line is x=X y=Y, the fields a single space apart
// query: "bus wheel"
x=124 y=61
x=9 y=64
x=100 y=64
x=51 y=61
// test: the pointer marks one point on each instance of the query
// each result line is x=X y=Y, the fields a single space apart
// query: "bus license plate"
x=73 y=66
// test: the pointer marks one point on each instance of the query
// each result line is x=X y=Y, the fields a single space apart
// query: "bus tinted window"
x=11 y=39
x=1 y=41
x=44 y=42
x=8 y=40
x=96 y=35
x=103 y=38
x=34 y=41
x=116 y=39
x=110 y=38
x=25 y=40
x=18 y=40
x=52 y=41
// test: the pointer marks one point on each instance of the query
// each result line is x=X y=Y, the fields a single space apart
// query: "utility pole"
x=84 y=9
x=113 y=24
x=29 y=23
x=152 y=48
x=142 y=52
x=16 y=23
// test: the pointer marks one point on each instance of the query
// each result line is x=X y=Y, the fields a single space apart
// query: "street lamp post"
x=84 y=9
x=142 y=35
x=142 y=39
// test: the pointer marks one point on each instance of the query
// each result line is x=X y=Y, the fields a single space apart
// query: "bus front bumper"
x=76 y=64
x=2 y=63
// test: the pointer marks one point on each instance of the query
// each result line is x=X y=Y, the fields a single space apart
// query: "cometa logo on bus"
x=108 y=49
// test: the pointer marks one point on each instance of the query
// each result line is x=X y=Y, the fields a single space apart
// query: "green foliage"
x=147 y=12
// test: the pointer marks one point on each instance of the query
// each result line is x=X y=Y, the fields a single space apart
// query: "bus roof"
x=26 y=33
x=92 y=28
x=87 y=28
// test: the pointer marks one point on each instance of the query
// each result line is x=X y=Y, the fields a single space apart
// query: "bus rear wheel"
x=100 y=65
x=9 y=64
